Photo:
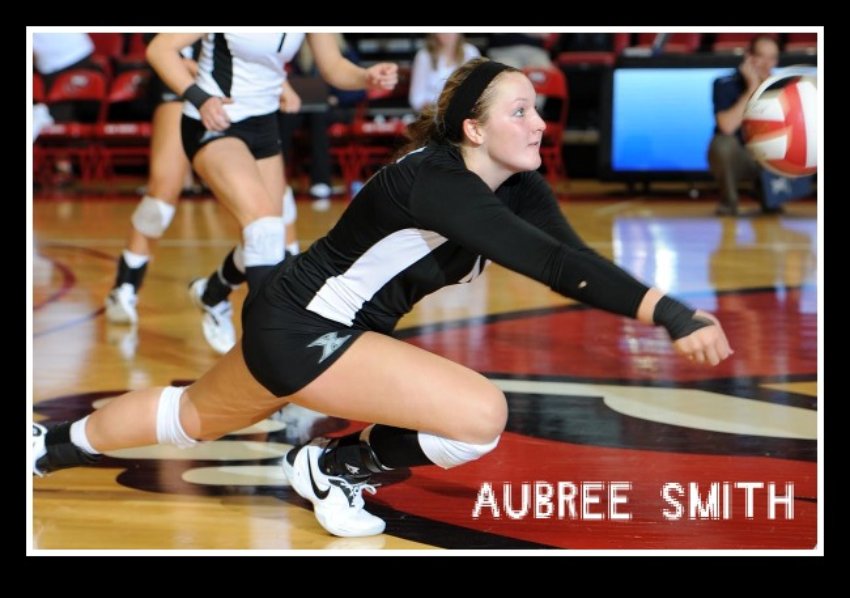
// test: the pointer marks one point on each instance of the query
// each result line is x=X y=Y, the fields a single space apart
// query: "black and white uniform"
x=418 y=225
x=249 y=69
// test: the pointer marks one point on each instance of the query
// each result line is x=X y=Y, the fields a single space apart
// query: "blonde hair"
x=432 y=44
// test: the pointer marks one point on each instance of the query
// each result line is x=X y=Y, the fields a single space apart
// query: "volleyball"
x=780 y=124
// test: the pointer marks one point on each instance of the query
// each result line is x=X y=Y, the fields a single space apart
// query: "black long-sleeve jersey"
x=427 y=221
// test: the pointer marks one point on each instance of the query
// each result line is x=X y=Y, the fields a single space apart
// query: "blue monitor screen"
x=662 y=118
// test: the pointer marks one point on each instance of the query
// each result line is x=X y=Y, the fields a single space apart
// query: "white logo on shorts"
x=329 y=343
x=210 y=135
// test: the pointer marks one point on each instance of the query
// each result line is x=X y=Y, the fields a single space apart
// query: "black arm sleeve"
x=530 y=197
x=455 y=203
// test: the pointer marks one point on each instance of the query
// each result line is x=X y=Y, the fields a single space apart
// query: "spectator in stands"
x=520 y=50
x=340 y=104
x=432 y=65
x=728 y=158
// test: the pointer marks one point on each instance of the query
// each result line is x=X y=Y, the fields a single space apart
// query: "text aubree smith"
x=610 y=500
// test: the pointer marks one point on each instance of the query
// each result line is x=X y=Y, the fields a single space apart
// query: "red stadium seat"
x=735 y=43
x=588 y=59
x=121 y=142
x=375 y=137
x=72 y=140
x=677 y=43
x=802 y=43
x=136 y=45
x=108 y=44
x=38 y=95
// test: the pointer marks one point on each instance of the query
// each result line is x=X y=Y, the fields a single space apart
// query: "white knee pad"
x=450 y=453
x=169 y=430
x=262 y=242
x=290 y=211
x=152 y=216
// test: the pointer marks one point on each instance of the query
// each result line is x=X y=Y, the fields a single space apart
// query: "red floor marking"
x=769 y=334
x=449 y=496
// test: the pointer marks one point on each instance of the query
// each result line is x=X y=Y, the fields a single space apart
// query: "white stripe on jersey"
x=257 y=62
x=341 y=297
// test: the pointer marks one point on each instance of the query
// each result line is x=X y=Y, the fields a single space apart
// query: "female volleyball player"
x=317 y=330
x=229 y=133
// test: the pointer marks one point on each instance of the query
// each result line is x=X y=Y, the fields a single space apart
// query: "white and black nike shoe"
x=337 y=500
x=39 y=450
x=52 y=449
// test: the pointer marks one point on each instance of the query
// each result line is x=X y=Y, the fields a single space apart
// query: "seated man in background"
x=728 y=158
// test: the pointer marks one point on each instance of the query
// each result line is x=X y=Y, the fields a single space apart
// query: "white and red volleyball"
x=780 y=125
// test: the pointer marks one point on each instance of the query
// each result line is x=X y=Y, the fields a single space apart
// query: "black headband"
x=466 y=94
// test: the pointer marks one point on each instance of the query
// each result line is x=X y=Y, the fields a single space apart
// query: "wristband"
x=196 y=95
x=677 y=318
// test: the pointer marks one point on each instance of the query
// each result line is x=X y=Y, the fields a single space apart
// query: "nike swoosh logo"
x=321 y=494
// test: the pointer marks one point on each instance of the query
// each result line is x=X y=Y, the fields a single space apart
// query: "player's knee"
x=496 y=416
x=263 y=242
x=152 y=216
x=170 y=418
x=489 y=417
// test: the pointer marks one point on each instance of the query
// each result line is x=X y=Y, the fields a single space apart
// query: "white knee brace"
x=290 y=211
x=450 y=453
x=169 y=430
x=152 y=216
x=262 y=242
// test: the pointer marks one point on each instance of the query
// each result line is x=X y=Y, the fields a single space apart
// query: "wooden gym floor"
x=594 y=399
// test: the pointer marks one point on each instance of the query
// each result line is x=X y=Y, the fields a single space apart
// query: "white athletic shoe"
x=217 y=322
x=337 y=501
x=39 y=449
x=121 y=305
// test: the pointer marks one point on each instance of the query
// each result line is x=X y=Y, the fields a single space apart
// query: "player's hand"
x=748 y=71
x=705 y=345
x=289 y=100
x=383 y=75
x=213 y=115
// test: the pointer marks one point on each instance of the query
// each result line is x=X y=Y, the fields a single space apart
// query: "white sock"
x=293 y=248
x=447 y=453
x=135 y=260
x=79 y=438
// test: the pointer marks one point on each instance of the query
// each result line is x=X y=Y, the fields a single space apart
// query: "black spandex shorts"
x=285 y=346
x=260 y=134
